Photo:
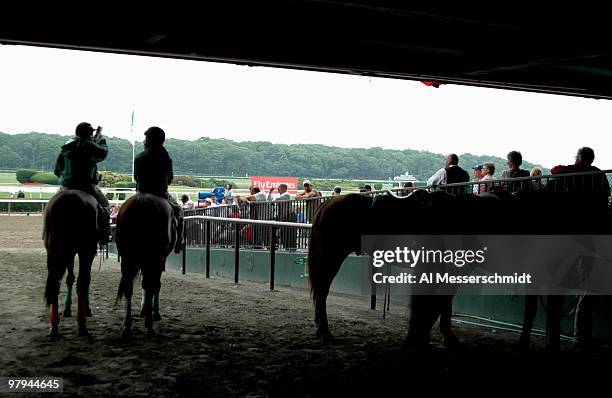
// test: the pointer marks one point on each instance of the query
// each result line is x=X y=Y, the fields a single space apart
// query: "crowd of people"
x=485 y=179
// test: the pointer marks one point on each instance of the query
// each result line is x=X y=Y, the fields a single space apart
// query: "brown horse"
x=70 y=228
x=146 y=234
x=337 y=229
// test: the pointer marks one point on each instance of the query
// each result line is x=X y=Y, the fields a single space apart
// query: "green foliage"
x=110 y=195
x=212 y=157
x=121 y=196
x=25 y=175
x=377 y=186
x=110 y=179
x=125 y=184
x=188 y=181
x=214 y=182
x=45 y=178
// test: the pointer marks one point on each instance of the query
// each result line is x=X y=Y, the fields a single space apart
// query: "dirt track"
x=217 y=339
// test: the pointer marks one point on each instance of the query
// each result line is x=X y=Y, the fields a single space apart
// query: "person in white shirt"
x=187 y=203
x=478 y=175
x=283 y=194
x=229 y=194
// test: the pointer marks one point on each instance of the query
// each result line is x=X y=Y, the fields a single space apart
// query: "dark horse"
x=70 y=228
x=341 y=221
x=146 y=234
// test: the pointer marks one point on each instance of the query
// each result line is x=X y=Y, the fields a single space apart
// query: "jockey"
x=153 y=173
x=76 y=167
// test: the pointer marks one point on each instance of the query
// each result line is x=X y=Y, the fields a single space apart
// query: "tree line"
x=206 y=156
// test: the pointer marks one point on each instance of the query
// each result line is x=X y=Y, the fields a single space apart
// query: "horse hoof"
x=524 y=343
x=54 y=332
x=325 y=336
x=68 y=313
x=156 y=317
x=151 y=333
x=83 y=332
x=451 y=342
x=89 y=313
x=126 y=334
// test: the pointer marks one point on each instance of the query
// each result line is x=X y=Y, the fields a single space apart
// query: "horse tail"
x=122 y=287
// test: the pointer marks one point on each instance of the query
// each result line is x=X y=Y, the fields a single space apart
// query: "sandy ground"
x=217 y=339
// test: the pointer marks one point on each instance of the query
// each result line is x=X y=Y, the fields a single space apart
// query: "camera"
x=98 y=131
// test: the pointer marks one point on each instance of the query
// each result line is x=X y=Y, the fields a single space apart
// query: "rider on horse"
x=153 y=173
x=76 y=167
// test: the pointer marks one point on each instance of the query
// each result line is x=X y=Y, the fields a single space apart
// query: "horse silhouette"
x=146 y=234
x=70 y=228
x=340 y=223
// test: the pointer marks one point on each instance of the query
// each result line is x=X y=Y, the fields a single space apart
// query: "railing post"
x=272 y=255
x=373 y=290
x=9 y=208
x=184 y=247
x=237 y=255
x=207 y=248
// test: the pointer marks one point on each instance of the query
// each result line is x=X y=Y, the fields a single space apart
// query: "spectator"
x=20 y=195
x=229 y=194
x=288 y=236
x=299 y=216
x=337 y=191
x=536 y=172
x=259 y=211
x=407 y=188
x=208 y=202
x=283 y=194
x=515 y=160
x=309 y=191
x=594 y=193
x=367 y=188
x=451 y=173
x=478 y=174
x=187 y=203
x=311 y=205
x=488 y=169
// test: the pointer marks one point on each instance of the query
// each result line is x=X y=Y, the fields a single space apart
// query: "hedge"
x=125 y=184
x=45 y=178
x=25 y=175
x=21 y=207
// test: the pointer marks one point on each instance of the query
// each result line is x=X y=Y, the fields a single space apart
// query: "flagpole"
x=133 y=143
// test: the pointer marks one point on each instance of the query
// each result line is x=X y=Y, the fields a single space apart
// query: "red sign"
x=265 y=183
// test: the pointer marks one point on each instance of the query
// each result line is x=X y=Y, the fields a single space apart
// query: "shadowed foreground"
x=219 y=340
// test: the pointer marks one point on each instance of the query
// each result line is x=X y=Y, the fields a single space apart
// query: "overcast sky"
x=51 y=90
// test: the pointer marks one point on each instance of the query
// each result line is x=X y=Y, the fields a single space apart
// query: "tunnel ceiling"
x=503 y=45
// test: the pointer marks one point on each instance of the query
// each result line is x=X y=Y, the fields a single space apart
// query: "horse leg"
x=155 y=306
x=554 y=310
x=450 y=339
x=127 y=289
x=68 y=297
x=55 y=273
x=83 y=281
x=151 y=284
x=531 y=308
x=424 y=310
x=156 y=315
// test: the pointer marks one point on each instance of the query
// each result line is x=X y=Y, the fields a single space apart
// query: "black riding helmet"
x=155 y=136
x=84 y=130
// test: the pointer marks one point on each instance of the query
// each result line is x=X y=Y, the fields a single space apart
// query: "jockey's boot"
x=104 y=229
